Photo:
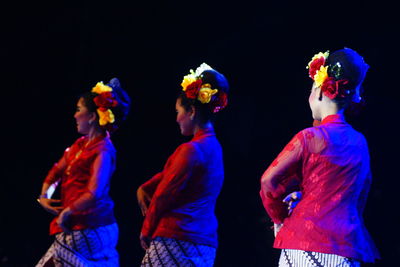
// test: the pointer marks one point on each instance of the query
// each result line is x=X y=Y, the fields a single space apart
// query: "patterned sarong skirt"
x=172 y=252
x=84 y=248
x=300 y=258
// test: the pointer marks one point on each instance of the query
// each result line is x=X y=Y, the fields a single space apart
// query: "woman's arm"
x=103 y=167
x=279 y=178
x=145 y=192
x=150 y=186
x=52 y=205
x=176 y=174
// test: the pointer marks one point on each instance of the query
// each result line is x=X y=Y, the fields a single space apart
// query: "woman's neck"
x=202 y=126
x=95 y=132
x=331 y=111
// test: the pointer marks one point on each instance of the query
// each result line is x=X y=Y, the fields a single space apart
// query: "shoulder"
x=311 y=133
x=313 y=139
x=302 y=135
x=184 y=154
x=105 y=146
x=80 y=141
x=77 y=145
x=206 y=143
x=189 y=148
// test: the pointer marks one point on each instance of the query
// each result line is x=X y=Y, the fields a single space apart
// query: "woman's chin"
x=81 y=131
x=184 y=133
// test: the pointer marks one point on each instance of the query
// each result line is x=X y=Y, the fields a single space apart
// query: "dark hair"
x=206 y=111
x=347 y=64
x=120 y=111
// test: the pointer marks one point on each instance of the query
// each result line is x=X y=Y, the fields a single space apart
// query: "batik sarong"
x=84 y=248
x=300 y=258
x=172 y=252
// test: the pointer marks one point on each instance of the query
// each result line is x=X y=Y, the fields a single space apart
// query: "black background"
x=52 y=52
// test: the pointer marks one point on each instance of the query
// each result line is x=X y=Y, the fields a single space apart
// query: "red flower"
x=332 y=88
x=192 y=90
x=105 y=100
x=315 y=65
x=329 y=88
x=343 y=91
x=220 y=102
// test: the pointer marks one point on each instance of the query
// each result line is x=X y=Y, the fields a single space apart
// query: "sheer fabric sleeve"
x=57 y=170
x=280 y=177
x=176 y=173
x=151 y=185
x=102 y=170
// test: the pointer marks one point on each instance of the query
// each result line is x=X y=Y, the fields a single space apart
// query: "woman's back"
x=335 y=179
x=191 y=217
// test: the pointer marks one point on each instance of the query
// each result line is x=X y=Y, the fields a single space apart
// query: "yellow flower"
x=101 y=88
x=321 y=75
x=188 y=79
x=105 y=117
x=320 y=54
x=206 y=93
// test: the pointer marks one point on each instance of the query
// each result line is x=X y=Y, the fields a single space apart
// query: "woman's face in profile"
x=83 y=117
x=314 y=102
x=183 y=118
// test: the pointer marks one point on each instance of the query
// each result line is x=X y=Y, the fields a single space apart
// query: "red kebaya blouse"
x=330 y=162
x=184 y=194
x=80 y=158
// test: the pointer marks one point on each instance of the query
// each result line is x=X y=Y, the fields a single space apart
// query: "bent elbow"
x=267 y=184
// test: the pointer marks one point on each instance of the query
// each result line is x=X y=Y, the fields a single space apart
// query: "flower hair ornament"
x=194 y=88
x=104 y=101
x=329 y=81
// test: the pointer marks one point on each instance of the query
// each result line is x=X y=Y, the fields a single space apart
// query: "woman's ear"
x=93 y=117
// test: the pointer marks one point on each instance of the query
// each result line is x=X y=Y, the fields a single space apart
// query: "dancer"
x=330 y=164
x=180 y=227
x=85 y=228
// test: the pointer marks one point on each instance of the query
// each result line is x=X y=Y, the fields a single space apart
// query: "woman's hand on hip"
x=292 y=200
x=51 y=205
x=145 y=241
x=143 y=200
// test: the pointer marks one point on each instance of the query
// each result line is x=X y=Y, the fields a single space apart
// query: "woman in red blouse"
x=85 y=229
x=329 y=163
x=180 y=227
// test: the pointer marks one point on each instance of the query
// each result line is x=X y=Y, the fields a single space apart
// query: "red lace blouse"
x=330 y=165
x=80 y=157
x=184 y=194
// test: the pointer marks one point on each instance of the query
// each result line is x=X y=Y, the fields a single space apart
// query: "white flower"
x=203 y=67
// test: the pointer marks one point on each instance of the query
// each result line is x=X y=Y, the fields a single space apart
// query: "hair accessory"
x=194 y=88
x=104 y=101
x=331 y=86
